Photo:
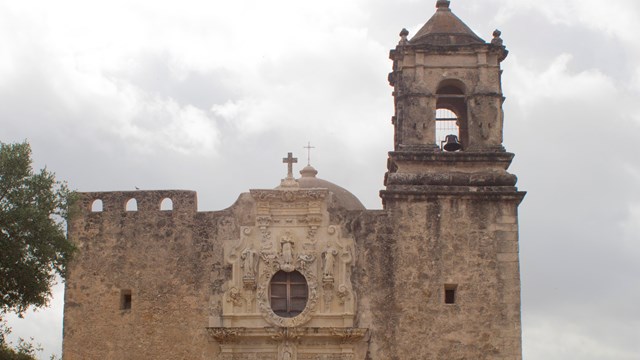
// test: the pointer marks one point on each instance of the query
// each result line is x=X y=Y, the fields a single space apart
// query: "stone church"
x=303 y=271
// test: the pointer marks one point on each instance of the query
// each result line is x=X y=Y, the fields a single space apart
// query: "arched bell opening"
x=451 y=116
x=446 y=126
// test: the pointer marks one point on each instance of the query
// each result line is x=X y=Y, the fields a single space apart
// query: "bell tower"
x=447 y=69
x=453 y=204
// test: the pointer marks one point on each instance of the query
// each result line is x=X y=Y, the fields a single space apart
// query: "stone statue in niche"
x=329 y=257
x=286 y=263
x=248 y=257
x=287 y=352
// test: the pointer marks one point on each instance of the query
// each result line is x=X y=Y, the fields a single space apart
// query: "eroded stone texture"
x=434 y=275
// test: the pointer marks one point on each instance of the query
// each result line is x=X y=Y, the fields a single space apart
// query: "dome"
x=341 y=195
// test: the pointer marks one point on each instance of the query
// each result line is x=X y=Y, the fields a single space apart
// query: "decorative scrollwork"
x=263 y=220
x=349 y=335
x=234 y=296
x=226 y=335
x=343 y=294
x=286 y=334
x=304 y=260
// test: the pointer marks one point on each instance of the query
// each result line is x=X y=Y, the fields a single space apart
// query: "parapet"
x=182 y=201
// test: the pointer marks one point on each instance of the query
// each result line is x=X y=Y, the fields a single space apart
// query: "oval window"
x=288 y=293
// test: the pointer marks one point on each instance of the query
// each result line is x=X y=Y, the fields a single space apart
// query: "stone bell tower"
x=446 y=66
x=450 y=196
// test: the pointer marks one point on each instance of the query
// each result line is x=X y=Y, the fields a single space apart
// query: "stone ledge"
x=503 y=193
x=451 y=157
x=344 y=335
x=451 y=179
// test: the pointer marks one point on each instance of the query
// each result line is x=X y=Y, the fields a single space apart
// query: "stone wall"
x=172 y=263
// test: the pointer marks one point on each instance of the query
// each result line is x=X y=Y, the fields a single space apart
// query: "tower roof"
x=445 y=28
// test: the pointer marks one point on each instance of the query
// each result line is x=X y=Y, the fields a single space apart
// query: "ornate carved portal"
x=291 y=233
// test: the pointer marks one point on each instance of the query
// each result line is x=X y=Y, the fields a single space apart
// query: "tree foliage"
x=33 y=244
x=23 y=351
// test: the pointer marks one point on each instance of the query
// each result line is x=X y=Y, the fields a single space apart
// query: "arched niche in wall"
x=131 y=205
x=166 y=204
x=96 y=205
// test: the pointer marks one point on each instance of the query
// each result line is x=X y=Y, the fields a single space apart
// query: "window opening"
x=288 y=293
x=125 y=300
x=132 y=205
x=96 y=206
x=450 y=293
x=166 y=204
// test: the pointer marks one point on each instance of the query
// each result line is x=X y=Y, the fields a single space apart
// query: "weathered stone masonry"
x=434 y=275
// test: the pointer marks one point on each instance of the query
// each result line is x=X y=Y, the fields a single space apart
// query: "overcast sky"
x=210 y=95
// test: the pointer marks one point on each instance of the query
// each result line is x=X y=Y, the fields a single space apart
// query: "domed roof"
x=445 y=28
x=341 y=195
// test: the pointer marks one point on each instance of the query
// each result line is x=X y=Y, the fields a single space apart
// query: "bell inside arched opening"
x=451 y=115
x=446 y=125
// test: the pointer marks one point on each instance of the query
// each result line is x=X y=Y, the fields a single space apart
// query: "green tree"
x=33 y=244
x=23 y=351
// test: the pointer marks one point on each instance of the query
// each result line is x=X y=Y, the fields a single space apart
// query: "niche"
x=96 y=205
x=132 y=205
x=166 y=205
x=125 y=299
x=450 y=293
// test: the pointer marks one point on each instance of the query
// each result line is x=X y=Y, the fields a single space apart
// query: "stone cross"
x=290 y=160
x=309 y=147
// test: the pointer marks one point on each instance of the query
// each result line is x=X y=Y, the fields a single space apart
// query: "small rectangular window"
x=450 y=293
x=125 y=300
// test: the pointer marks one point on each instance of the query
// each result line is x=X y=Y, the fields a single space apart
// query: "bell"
x=451 y=143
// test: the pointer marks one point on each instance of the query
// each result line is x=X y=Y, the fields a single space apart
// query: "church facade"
x=304 y=271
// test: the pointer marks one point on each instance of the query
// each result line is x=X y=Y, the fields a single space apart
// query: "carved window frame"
x=263 y=295
x=289 y=283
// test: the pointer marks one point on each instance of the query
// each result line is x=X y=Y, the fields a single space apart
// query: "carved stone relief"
x=291 y=233
x=249 y=356
x=325 y=356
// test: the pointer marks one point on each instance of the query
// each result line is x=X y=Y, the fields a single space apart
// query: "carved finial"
x=497 y=40
x=403 y=37
x=443 y=4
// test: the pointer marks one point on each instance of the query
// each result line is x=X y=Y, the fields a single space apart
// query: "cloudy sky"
x=210 y=95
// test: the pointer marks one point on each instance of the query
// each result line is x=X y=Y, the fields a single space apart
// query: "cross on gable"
x=290 y=160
